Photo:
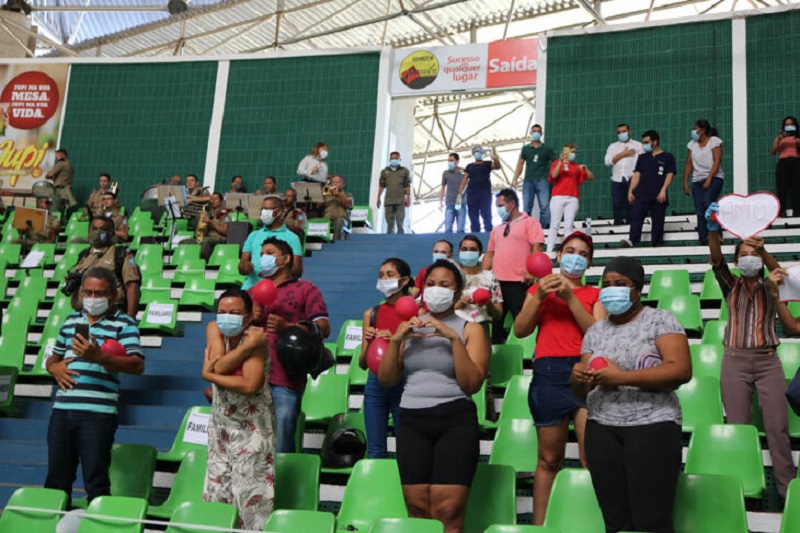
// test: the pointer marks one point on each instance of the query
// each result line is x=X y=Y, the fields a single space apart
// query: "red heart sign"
x=745 y=216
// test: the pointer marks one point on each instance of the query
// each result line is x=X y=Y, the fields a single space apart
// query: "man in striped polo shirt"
x=84 y=417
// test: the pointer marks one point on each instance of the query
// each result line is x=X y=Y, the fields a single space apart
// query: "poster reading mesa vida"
x=441 y=69
x=31 y=103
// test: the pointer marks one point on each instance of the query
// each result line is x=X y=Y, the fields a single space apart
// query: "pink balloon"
x=375 y=352
x=539 y=265
x=598 y=362
x=481 y=296
x=407 y=308
x=264 y=292
x=113 y=347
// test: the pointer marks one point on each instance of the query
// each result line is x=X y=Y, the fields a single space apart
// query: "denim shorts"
x=550 y=396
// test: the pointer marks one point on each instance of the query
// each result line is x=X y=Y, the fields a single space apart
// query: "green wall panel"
x=139 y=122
x=773 y=89
x=277 y=109
x=663 y=78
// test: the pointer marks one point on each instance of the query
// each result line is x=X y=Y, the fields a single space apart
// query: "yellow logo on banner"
x=14 y=161
x=419 y=69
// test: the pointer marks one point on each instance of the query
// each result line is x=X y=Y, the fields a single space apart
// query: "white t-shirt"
x=703 y=159
x=624 y=167
x=306 y=169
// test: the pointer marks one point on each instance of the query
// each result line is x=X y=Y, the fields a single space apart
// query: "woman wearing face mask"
x=566 y=175
x=704 y=163
x=314 y=166
x=446 y=359
x=633 y=435
x=380 y=322
x=241 y=439
x=787 y=173
x=563 y=308
x=750 y=341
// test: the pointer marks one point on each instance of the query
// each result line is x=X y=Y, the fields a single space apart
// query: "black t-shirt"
x=653 y=170
x=480 y=177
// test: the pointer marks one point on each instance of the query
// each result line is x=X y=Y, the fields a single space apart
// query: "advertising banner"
x=470 y=67
x=31 y=104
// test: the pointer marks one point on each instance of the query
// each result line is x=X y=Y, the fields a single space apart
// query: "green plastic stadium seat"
x=686 y=308
x=355 y=373
x=794 y=308
x=149 y=252
x=492 y=498
x=325 y=397
x=228 y=274
x=705 y=502
x=187 y=486
x=77 y=228
x=189 y=270
x=711 y=290
x=528 y=343
x=199 y=292
x=211 y=514
x=224 y=254
x=116 y=506
x=572 y=490
x=293 y=521
x=706 y=360
x=480 y=403
x=406 y=525
x=515 y=401
x=714 y=331
x=148 y=323
x=10 y=252
x=12 y=343
x=342 y=340
x=179 y=446
x=318 y=228
x=351 y=419
x=728 y=449
x=131 y=472
x=791 y=512
x=13 y=520
x=500 y=528
x=516 y=445
x=185 y=251
x=68 y=261
x=155 y=289
x=8 y=379
x=505 y=363
x=789 y=354
x=373 y=491
x=297 y=481
x=723 y=311
x=669 y=283
x=701 y=402
x=141 y=225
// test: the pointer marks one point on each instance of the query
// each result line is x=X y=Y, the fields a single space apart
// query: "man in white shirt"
x=621 y=157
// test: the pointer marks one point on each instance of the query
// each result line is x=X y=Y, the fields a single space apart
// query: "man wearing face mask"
x=395 y=179
x=449 y=198
x=537 y=158
x=104 y=253
x=750 y=356
x=295 y=218
x=337 y=206
x=442 y=249
x=51 y=230
x=84 y=417
x=621 y=157
x=651 y=178
x=296 y=301
x=272 y=211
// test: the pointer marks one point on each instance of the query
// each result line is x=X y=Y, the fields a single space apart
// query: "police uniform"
x=120 y=220
x=213 y=237
x=105 y=257
x=62 y=174
x=95 y=202
x=40 y=236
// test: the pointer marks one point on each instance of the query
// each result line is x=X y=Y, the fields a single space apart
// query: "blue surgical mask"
x=268 y=266
x=394 y=163
x=536 y=136
x=695 y=135
x=789 y=128
x=436 y=256
x=647 y=148
x=502 y=213
x=230 y=325
x=573 y=265
x=572 y=156
x=451 y=165
x=616 y=300
x=469 y=259
x=623 y=137
x=750 y=265
x=478 y=156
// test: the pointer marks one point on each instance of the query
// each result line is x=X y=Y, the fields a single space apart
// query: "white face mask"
x=95 y=306
x=750 y=265
x=323 y=154
x=438 y=299
x=388 y=286
x=267 y=216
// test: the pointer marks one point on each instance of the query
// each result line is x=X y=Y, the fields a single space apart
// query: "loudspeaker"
x=238 y=232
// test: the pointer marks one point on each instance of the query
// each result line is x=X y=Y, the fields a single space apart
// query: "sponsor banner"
x=470 y=67
x=31 y=104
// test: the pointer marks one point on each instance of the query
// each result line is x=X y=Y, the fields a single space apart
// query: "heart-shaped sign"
x=745 y=216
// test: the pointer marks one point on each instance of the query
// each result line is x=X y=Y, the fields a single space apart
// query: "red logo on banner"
x=29 y=100
x=512 y=63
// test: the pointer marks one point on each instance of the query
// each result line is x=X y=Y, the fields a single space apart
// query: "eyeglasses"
x=94 y=294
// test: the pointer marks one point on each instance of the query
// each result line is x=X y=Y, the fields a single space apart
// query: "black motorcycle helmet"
x=343 y=446
x=302 y=351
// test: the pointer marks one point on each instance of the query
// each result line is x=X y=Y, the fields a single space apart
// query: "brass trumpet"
x=327 y=190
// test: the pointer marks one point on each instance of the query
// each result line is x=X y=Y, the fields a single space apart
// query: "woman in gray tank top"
x=446 y=360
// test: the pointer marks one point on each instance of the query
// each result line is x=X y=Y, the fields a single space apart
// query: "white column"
x=215 y=127
x=541 y=82
x=739 y=87
x=380 y=150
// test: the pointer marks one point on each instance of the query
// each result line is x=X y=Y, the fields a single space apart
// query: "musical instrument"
x=201 y=230
x=328 y=190
x=114 y=187
x=43 y=188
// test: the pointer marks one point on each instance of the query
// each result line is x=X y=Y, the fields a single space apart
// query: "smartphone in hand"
x=82 y=330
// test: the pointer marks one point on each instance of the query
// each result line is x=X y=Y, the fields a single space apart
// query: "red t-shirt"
x=419 y=283
x=297 y=300
x=388 y=318
x=569 y=179
x=559 y=334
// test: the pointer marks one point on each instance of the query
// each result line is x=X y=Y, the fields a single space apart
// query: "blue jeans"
x=287 y=409
x=378 y=403
x=619 y=201
x=459 y=216
x=539 y=189
x=80 y=436
x=480 y=207
x=702 y=199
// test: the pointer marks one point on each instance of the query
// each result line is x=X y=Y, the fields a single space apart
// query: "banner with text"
x=470 y=67
x=31 y=104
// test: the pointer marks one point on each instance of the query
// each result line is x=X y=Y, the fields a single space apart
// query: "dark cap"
x=628 y=267
x=582 y=236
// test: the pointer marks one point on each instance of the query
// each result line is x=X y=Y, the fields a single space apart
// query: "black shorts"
x=439 y=445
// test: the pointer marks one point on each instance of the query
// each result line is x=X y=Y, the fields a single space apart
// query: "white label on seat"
x=359 y=215
x=5 y=388
x=352 y=337
x=319 y=229
x=33 y=259
x=48 y=351
x=197 y=429
x=160 y=313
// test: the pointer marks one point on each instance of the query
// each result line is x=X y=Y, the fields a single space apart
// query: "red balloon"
x=264 y=292
x=481 y=296
x=407 y=308
x=375 y=352
x=539 y=265
x=113 y=347
x=598 y=362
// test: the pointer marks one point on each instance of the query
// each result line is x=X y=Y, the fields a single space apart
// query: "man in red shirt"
x=297 y=300
x=442 y=249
